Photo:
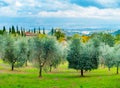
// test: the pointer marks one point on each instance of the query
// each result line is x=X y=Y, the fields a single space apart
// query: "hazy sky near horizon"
x=82 y=9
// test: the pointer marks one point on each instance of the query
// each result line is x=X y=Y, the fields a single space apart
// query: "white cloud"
x=108 y=3
x=57 y=8
x=18 y=4
x=6 y=11
x=89 y=12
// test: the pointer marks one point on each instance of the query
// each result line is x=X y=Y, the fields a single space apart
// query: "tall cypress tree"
x=13 y=30
x=52 y=31
x=24 y=32
x=9 y=30
x=21 y=31
x=4 y=29
x=39 y=30
x=34 y=30
x=29 y=30
x=43 y=30
x=17 y=29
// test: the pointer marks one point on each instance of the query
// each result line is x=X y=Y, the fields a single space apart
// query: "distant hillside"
x=116 y=32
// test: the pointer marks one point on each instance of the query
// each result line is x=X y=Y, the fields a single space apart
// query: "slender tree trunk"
x=108 y=68
x=82 y=72
x=117 y=69
x=26 y=63
x=12 y=67
x=50 y=68
x=40 y=71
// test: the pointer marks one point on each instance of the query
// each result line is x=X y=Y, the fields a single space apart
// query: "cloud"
x=109 y=3
x=81 y=12
x=18 y=4
x=61 y=8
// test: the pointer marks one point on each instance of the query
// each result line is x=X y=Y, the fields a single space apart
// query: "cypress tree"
x=9 y=30
x=24 y=32
x=17 y=29
x=52 y=31
x=13 y=30
x=29 y=30
x=43 y=30
x=39 y=30
x=21 y=31
x=34 y=30
x=4 y=29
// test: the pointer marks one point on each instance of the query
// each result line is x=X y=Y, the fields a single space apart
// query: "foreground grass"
x=27 y=77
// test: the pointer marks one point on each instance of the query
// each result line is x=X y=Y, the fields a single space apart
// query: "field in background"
x=62 y=77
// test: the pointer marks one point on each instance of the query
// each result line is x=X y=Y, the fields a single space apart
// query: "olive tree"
x=29 y=49
x=2 y=42
x=22 y=47
x=14 y=52
x=117 y=57
x=82 y=56
x=45 y=51
x=56 y=56
x=107 y=53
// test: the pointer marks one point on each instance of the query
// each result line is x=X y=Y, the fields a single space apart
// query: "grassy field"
x=62 y=77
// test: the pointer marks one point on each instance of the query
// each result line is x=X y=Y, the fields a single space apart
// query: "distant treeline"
x=21 y=30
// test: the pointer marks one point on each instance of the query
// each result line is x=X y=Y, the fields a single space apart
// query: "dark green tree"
x=29 y=30
x=13 y=30
x=59 y=33
x=22 y=32
x=10 y=30
x=4 y=29
x=82 y=56
x=34 y=30
x=43 y=30
x=17 y=29
x=52 y=32
x=39 y=30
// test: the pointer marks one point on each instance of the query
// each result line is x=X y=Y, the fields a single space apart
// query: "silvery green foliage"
x=30 y=49
x=117 y=55
x=107 y=53
x=56 y=53
x=2 y=42
x=38 y=51
x=46 y=51
x=9 y=49
x=14 y=51
x=21 y=51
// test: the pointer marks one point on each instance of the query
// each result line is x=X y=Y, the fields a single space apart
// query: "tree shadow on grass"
x=88 y=76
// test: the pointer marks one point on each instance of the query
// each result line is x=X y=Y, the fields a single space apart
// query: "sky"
x=61 y=8
x=79 y=9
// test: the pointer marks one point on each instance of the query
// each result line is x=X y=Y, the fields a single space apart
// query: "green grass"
x=62 y=77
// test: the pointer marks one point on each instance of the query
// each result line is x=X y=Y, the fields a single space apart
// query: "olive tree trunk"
x=12 y=66
x=40 y=71
x=50 y=68
x=117 y=68
x=82 y=72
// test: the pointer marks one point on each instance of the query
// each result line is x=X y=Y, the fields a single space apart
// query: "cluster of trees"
x=15 y=30
x=98 y=49
x=45 y=51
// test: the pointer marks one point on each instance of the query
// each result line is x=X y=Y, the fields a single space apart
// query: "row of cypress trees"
x=20 y=31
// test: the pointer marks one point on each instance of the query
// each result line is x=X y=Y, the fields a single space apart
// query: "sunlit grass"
x=62 y=77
